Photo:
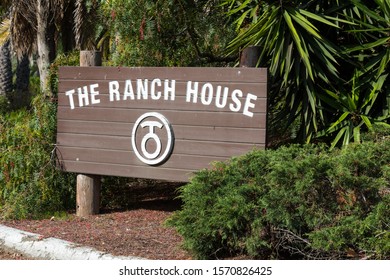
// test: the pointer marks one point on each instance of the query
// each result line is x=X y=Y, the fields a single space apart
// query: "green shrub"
x=70 y=59
x=4 y=104
x=30 y=185
x=293 y=202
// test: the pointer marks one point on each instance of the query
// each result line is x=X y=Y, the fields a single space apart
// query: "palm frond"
x=4 y=31
x=85 y=24
x=23 y=27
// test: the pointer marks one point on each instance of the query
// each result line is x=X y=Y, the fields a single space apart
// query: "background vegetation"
x=30 y=184
x=328 y=63
x=329 y=84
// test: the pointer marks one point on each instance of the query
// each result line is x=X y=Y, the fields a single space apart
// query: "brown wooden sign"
x=157 y=123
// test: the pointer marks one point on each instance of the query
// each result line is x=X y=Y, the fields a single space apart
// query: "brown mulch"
x=137 y=232
x=131 y=223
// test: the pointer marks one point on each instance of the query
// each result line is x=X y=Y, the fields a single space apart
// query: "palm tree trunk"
x=22 y=95
x=23 y=74
x=5 y=69
x=43 y=60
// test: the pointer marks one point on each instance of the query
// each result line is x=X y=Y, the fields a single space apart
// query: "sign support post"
x=250 y=56
x=88 y=186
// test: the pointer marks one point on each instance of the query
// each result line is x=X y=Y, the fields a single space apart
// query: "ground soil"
x=138 y=230
x=5 y=255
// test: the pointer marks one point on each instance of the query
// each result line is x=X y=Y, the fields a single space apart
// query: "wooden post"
x=88 y=195
x=250 y=56
x=90 y=58
x=88 y=186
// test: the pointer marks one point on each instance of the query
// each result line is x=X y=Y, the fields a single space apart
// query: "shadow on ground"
x=121 y=194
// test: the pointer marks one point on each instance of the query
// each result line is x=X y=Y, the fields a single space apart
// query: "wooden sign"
x=158 y=123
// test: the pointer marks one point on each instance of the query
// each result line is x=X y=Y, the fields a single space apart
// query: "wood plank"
x=226 y=134
x=187 y=162
x=212 y=119
x=127 y=171
x=182 y=147
x=209 y=74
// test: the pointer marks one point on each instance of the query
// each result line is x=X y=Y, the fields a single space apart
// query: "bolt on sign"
x=157 y=123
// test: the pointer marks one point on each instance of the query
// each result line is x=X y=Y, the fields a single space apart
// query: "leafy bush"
x=70 y=59
x=30 y=185
x=293 y=202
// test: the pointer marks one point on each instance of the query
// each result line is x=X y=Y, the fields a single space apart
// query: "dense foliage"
x=167 y=33
x=30 y=184
x=294 y=202
x=328 y=62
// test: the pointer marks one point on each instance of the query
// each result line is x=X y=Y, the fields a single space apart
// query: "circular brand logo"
x=151 y=132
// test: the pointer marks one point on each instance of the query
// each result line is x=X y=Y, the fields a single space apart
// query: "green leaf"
x=239 y=8
x=368 y=46
x=347 y=136
x=366 y=10
x=367 y=121
x=384 y=63
x=340 y=119
x=356 y=134
x=320 y=18
x=241 y=19
x=338 y=137
x=298 y=43
x=377 y=86
x=307 y=25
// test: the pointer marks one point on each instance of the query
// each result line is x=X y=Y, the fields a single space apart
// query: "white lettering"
x=206 y=95
x=237 y=103
x=70 y=93
x=192 y=92
x=129 y=92
x=169 y=91
x=94 y=93
x=114 y=89
x=249 y=104
x=83 y=96
x=218 y=102
x=142 y=89
x=221 y=97
x=155 y=95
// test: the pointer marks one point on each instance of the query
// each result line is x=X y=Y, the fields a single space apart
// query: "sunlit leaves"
x=328 y=62
x=300 y=59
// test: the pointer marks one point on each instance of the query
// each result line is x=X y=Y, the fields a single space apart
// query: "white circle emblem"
x=157 y=156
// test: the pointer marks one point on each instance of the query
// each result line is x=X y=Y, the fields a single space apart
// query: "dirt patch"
x=5 y=255
x=135 y=229
x=137 y=232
